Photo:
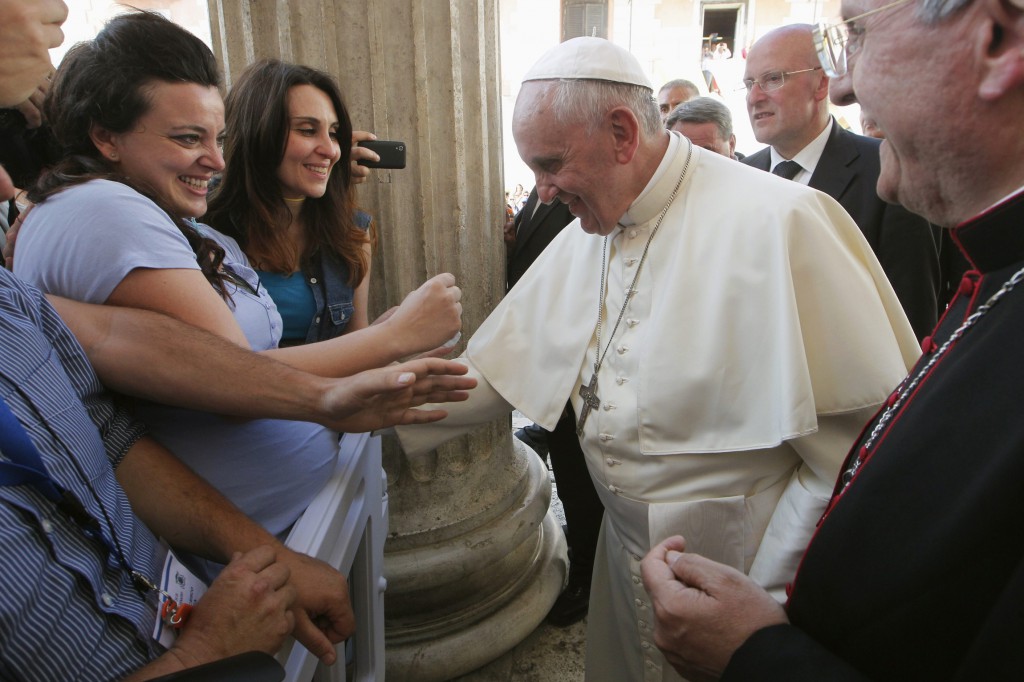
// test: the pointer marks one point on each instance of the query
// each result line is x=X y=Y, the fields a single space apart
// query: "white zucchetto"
x=589 y=59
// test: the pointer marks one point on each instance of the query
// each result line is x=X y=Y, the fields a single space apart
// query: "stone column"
x=474 y=560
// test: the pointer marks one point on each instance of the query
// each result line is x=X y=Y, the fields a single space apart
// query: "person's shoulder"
x=863 y=143
x=362 y=219
x=757 y=159
x=233 y=253
x=13 y=288
x=100 y=195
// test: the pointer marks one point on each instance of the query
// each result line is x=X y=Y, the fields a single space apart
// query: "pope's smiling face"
x=570 y=162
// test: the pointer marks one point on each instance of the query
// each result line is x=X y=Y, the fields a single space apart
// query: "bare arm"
x=427 y=318
x=152 y=356
x=361 y=300
x=209 y=525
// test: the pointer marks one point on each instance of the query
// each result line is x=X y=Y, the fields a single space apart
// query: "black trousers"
x=583 y=508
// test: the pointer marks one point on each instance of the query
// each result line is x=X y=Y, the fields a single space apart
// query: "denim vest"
x=327 y=277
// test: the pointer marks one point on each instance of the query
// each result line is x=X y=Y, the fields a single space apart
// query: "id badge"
x=180 y=589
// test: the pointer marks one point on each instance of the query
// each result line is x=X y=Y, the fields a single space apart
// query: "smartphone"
x=391 y=153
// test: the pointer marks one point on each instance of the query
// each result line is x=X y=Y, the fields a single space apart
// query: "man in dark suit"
x=787 y=101
x=532 y=230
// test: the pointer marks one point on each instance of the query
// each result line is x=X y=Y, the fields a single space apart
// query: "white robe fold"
x=762 y=335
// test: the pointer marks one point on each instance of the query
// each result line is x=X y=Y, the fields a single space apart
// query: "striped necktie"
x=787 y=169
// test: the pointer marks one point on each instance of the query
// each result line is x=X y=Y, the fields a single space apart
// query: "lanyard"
x=26 y=467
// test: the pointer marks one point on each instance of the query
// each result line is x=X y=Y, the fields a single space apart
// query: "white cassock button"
x=607 y=406
x=632 y=322
x=605 y=437
x=621 y=380
x=632 y=260
x=621 y=350
x=632 y=234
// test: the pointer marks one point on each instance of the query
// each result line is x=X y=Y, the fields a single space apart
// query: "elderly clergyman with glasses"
x=916 y=571
x=787 y=101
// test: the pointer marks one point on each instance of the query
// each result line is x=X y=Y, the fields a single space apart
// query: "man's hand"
x=703 y=610
x=360 y=173
x=323 y=612
x=28 y=29
x=247 y=608
x=380 y=398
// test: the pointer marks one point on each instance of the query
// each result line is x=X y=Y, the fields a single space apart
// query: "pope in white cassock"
x=723 y=335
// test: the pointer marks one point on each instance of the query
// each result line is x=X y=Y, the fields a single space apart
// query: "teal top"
x=294 y=301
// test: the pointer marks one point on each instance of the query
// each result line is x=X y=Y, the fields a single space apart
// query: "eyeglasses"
x=836 y=42
x=773 y=80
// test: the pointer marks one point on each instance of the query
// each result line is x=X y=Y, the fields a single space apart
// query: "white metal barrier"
x=346 y=526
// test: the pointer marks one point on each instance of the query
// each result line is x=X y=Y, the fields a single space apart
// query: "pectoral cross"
x=590 y=402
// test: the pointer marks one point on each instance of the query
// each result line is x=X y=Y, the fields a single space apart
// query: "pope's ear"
x=626 y=131
x=1000 y=43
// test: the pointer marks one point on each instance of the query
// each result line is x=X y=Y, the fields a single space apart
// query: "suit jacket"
x=533 y=233
x=905 y=244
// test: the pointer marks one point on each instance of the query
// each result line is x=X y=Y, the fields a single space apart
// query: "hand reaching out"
x=428 y=317
x=380 y=398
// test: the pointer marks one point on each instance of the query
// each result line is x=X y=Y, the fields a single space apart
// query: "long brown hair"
x=249 y=203
x=104 y=82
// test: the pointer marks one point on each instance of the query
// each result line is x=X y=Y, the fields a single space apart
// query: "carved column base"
x=455 y=604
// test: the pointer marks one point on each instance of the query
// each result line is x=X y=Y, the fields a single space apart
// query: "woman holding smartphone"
x=286 y=198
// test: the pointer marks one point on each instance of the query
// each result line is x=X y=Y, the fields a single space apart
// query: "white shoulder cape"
x=768 y=309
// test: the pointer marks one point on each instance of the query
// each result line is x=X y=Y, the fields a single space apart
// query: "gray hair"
x=703 y=110
x=587 y=101
x=933 y=11
x=680 y=83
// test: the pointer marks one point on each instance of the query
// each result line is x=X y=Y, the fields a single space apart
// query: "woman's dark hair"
x=249 y=203
x=105 y=82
